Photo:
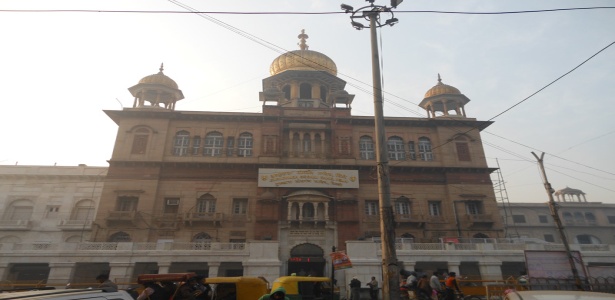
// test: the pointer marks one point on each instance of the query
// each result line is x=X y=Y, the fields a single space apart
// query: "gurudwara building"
x=301 y=173
x=273 y=193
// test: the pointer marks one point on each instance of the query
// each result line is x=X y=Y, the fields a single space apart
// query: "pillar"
x=163 y=267
x=214 y=267
x=60 y=273
x=121 y=273
x=453 y=266
x=4 y=270
x=490 y=270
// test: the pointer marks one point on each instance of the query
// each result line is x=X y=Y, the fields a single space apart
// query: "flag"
x=340 y=260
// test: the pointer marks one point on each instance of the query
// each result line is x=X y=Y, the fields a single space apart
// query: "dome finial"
x=161 y=68
x=302 y=37
x=439 y=79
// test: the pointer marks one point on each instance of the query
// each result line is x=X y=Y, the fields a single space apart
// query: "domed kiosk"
x=442 y=98
x=156 y=89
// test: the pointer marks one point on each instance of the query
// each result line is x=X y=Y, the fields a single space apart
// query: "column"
x=322 y=144
x=60 y=273
x=301 y=211
x=291 y=142
x=490 y=270
x=313 y=143
x=163 y=267
x=301 y=148
x=289 y=216
x=294 y=90
x=444 y=108
x=121 y=273
x=453 y=266
x=326 y=211
x=214 y=267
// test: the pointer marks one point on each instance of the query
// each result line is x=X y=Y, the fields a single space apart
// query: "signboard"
x=340 y=260
x=554 y=264
x=308 y=178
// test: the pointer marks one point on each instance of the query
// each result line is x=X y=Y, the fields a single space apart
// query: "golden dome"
x=159 y=78
x=304 y=59
x=441 y=89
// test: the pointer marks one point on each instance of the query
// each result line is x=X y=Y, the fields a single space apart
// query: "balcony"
x=214 y=218
x=478 y=220
x=121 y=216
x=69 y=224
x=15 y=224
x=411 y=220
x=308 y=220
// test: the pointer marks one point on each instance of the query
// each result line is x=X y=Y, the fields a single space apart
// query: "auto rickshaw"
x=169 y=281
x=237 y=288
x=306 y=287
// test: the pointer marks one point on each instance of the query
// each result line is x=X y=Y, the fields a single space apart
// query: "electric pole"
x=390 y=266
x=558 y=222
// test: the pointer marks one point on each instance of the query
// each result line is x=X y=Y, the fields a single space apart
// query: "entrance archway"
x=306 y=260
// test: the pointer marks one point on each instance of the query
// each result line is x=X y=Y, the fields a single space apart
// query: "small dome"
x=442 y=89
x=304 y=59
x=159 y=78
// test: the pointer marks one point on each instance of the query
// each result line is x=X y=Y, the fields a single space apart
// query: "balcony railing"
x=68 y=224
x=121 y=215
x=214 y=217
x=15 y=224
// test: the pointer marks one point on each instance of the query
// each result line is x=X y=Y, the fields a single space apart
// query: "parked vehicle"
x=68 y=294
x=237 y=288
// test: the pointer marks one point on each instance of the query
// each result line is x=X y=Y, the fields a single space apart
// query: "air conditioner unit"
x=172 y=201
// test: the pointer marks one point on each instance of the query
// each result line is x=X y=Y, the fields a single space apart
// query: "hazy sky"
x=60 y=70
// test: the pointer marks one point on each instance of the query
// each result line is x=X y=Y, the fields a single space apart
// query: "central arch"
x=306 y=260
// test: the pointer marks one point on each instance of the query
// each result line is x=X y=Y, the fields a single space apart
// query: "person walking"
x=436 y=286
x=451 y=286
x=355 y=289
x=373 y=288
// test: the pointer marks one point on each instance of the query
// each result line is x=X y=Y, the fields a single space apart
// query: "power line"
x=294 y=12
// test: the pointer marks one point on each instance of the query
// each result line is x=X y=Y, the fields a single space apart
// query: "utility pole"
x=558 y=222
x=390 y=266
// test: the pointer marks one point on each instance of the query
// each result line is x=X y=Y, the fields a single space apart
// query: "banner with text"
x=340 y=261
x=309 y=178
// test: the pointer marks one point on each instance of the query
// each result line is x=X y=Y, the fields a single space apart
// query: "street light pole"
x=390 y=267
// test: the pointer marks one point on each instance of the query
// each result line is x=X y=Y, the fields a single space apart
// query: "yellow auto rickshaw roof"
x=238 y=279
x=289 y=279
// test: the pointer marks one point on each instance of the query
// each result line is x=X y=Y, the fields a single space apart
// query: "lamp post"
x=390 y=268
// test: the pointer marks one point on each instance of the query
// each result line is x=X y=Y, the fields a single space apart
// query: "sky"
x=61 y=69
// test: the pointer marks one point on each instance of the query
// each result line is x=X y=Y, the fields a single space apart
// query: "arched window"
x=425 y=149
x=402 y=207
x=590 y=218
x=307 y=143
x=213 y=144
x=308 y=210
x=463 y=149
x=84 y=210
x=119 y=237
x=568 y=218
x=201 y=238
x=139 y=141
x=366 y=147
x=286 y=90
x=182 y=141
x=245 y=144
x=206 y=204
x=20 y=210
x=396 y=148
x=305 y=91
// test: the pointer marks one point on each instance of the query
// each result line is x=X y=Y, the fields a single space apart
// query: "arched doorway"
x=306 y=260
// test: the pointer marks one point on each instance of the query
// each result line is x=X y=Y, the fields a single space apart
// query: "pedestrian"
x=423 y=288
x=106 y=284
x=373 y=288
x=355 y=288
x=436 y=286
x=451 y=286
x=154 y=291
